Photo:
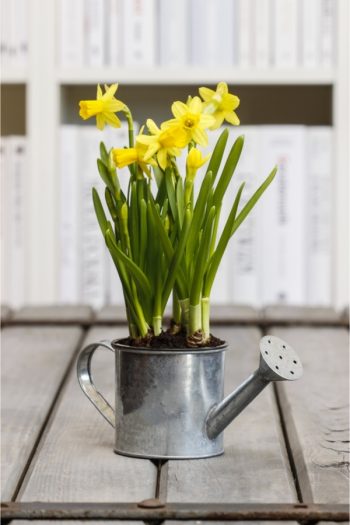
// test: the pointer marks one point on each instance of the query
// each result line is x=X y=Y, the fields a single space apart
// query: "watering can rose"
x=163 y=236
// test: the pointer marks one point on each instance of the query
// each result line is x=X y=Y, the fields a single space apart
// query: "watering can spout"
x=278 y=362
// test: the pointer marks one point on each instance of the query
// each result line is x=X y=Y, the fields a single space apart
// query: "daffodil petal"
x=179 y=109
x=162 y=158
x=146 y=139
x=100 y=121
x=110 y=91
x=206 y=93
x=153 y=148
x=112 y=120
x=232 y=118
x=200 y=137
x=195 y=106
x=222 y=88
x=206 y=120
x=99 y=92
x=152 y=126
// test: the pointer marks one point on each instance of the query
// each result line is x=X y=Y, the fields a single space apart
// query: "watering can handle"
x=87 y=384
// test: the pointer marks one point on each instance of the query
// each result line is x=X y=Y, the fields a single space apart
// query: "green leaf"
x=134 y=222
x=111 y=204
x=180 y=202
x=202 y=259
x=222 y=244
x=143 y=232
x=135 y=272
x=216 y=157
x=176 y=260
x=100 y=214
x=253 y=200
x=104 y=153
x=198 y=216
x=105 y=175
x=228 y=171
x=170 y=189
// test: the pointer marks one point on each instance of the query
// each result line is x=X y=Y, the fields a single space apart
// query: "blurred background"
x=287 y=60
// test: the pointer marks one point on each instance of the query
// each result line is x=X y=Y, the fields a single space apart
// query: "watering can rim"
x=117 y=345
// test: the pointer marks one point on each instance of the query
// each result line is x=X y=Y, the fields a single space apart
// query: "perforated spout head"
x=278 y=360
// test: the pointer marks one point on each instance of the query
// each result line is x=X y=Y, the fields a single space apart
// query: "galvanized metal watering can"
x=169 y=403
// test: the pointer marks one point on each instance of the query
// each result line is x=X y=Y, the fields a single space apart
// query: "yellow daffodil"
x=221 y=104
x=192 y=120
x=103 y=108
x=163 y=142
x=194 y=161
x=125 y=156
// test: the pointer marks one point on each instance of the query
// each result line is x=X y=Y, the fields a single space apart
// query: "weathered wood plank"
x=57 y=314
x=76 y=461
x=316 y=412
x=34 y=360
x=233 y=313
x=220 y=314
x=296 y=314
x=5 y=313
x=254 y=467
x=111 y=314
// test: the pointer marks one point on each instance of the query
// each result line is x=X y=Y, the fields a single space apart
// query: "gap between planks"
x=48 y=418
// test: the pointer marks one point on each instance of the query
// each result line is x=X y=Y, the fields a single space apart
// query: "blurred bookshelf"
x=42 y=95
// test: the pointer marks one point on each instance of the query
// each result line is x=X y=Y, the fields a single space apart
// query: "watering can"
x=169 y=403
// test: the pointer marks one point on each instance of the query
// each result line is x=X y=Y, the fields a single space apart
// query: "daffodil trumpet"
x=164 y=233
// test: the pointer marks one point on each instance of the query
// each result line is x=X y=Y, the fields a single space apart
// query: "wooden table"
x=286 y=456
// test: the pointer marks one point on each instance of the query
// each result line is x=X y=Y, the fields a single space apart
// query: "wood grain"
x=316 y=412
x=254 y=467
x=54 y=314
x=34 y=360
x=297 y=314
x=76 y=461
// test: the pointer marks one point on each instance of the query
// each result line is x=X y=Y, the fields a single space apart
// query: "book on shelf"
x=139 y=32
x=173 y=21
x=261 y=33
x=243 y=33
x=211 y=33
x=95 y=21
x=71 y=33
x=14 y=33
x=319 y=215
x=15 y=213
x=285 y=31
x=283 y=218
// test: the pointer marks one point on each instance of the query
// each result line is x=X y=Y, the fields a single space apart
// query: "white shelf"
x=193 y=75
x=15 y=76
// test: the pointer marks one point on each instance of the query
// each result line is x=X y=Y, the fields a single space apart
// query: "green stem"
x=195 y=323
x=185 y=313
x=130 y=122
x=206 y=318
x=157 y=325
x=176 y=309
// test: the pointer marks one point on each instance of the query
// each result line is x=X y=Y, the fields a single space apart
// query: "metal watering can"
x=169 y=404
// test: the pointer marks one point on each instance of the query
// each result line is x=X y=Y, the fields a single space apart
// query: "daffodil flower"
x=163 y=142
x=103 y=108
x=221 y=104
x=125 y=156
x=194 y=161
x=192 y=120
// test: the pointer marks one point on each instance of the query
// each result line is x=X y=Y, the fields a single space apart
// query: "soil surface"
x=169 y=340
